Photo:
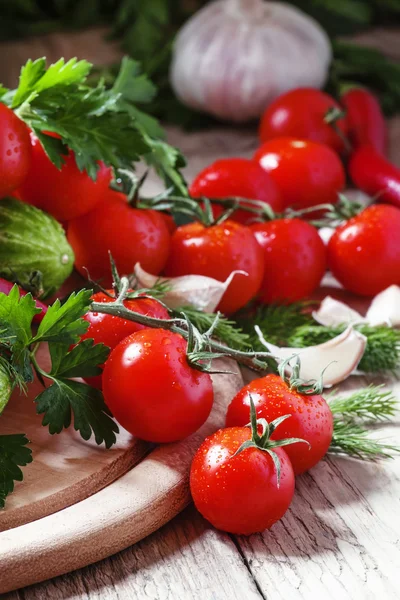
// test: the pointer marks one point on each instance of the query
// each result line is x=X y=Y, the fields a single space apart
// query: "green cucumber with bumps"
x=33 y=247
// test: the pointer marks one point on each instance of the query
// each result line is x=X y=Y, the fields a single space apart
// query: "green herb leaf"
x=371 y=404
x=352 y=439
x=82 y=361
x=167 y=162
x=226 y=331
x=16 y=314
x=13 y=455
x=91 y=416
x=63 y=323
x=133 y=85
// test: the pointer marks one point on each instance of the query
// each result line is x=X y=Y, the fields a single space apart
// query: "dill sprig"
x=371 y=404
x=226 y=331
x=352 y=439
x=277 y=322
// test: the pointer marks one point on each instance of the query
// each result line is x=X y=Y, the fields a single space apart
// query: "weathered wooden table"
x=340 y=539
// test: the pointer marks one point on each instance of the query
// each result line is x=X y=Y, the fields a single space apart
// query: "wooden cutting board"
x=80 y=503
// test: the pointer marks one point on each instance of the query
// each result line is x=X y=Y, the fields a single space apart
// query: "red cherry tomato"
x=215 y=252
x=131 y=235
x=375 y=175
x=307 y=173
x=364 y=252
x=311 y=418
x=365 y=119
x=170 y=222
x=239 y=494
x=301 y=114
x=236 y=177
x=294 y=259
x=110 y=330
x=152 y=390
x=67 y=193
x=15 y=151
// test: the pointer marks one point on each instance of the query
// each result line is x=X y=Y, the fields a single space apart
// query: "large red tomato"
x=215 y=252
x=301 y=114
x=294 y=259
x=131 y=235
x=15 y=151
x=152 y=390
x=311 y=418
x=239 y=494
x=110 y=330
x=238 y=177
x=67 y=193
x=364 y=252
x=307 y=173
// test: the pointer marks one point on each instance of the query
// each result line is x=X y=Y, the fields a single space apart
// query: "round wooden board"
x=135 y=505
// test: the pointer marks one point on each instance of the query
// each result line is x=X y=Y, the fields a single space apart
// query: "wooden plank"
x=184 y=560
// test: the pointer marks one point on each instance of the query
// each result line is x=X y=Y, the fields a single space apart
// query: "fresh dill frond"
x=277 y=322
x=352 y=439
x=371 y=404
x=226 y=331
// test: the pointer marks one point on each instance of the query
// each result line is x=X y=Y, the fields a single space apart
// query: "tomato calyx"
x=263 y=441
x=332 y=116
x=295 y=382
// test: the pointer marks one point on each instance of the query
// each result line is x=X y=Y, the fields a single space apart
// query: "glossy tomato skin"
x=239 y=177
x=364 y=252
x=301 y=114
x=152 y=390
x=294 y=259
x=311 y=418
x=15 y=151
x=131 y=235
x=365 y=119
x=66 y=193
x=307 y=173
x=239 y=494
x=215 y=252
x=110 y=330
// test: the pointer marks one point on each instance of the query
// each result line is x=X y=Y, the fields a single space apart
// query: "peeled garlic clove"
x=332 y=313
x=342 y=354
x=234 y=57
x=385 y=308
x=199 y=291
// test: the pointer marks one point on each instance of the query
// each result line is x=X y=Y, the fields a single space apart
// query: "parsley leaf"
x=62 y=323
x=82 y=361
x=91 y=415
x=167 y=162
x=13 y=455
x=16 y=314
x=133 y=85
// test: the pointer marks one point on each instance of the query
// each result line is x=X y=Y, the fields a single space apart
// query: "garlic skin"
x=340 y=356
x=333 y=313
x=199 y=291
x=234 y=57
x=385 y=308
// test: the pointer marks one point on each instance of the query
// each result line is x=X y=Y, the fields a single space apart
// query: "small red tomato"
x=170 y=222
x=311 y=418
x=239 y=494
x=131 y=235
x=215 y=252
x=364 y=252
x=110 y=330
x=65 y=193
x=239 y=177
x=15 y=151
x=301 y=114
x=365 y=119
x=307 y=173
x=294 y=259
x=152 y=390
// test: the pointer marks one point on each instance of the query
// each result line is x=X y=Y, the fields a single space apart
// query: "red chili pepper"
x=365 y=119
x=375 y=175
x=5 y=288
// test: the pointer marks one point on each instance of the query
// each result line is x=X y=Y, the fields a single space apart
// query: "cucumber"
x=33 y=247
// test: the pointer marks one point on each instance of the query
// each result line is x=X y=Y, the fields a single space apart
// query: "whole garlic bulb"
x=233 y=57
